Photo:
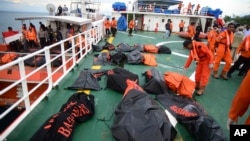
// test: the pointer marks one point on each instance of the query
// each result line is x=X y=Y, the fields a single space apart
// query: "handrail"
x=44 y=74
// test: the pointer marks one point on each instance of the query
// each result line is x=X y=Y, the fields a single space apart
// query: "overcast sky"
x=229 y=7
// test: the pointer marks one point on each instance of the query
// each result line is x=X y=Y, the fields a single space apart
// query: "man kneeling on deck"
x=200 y=53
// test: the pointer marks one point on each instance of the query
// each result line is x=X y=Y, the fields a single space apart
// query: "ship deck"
x=216 y=100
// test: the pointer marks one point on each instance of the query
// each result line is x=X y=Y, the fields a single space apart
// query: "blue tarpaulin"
x=122 y=24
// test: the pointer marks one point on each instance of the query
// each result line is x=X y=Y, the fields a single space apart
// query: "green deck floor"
x=216 y=101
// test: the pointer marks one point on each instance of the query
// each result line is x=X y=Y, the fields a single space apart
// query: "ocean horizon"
x=8 y=20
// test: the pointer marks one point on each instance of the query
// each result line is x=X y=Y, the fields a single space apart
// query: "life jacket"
x=31 y=35
x=226 y=38
x=107 y=24
x=8 y=57
x=149 y=59
x=113 y=24
x=150 y=48
x=131 y=24
x=179 y=84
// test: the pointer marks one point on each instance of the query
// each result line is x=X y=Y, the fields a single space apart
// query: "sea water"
x=7 y=18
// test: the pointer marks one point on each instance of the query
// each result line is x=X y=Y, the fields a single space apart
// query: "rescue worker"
x=191 y=30
x=131 y=26
x=200 y=53
x=31 y=34
x=244 y=58
x=181 y=26
x=212 y=35
x=25 y=37
x=240 y=103
x=113 y=26
x=107 y=25
x=224 y=41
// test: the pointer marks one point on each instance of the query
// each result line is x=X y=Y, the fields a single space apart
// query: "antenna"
x=51 y=8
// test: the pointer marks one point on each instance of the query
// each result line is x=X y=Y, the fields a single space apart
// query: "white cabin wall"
x=151 y=20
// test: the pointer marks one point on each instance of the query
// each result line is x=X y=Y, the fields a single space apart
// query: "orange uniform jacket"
x=113 y=23
x=191 y=31
x=131 y=24
x=204 y=57
x=241 y=100
x=244 y=47
x=181 y=24
x=212 y=35
x=31 y=35
x=224 y=41
x=107 y=24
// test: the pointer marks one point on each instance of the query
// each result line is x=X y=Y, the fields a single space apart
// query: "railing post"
x=24 y=83
x=48 y=66
x=63 y=57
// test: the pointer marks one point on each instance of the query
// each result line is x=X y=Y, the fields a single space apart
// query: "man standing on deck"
x=224 y=41
x=212 y=35
x=107 y=25
x=244 y=58
x=191 y=30
x=181 y=26
x=167 y=27
x=131 y=26
x=136 y=25
x=240 y=103
x=200 y=53
x=113 y=26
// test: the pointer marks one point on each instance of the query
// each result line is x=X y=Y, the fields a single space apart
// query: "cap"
x=186 y=43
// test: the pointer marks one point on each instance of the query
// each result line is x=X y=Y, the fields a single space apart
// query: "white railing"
x=45 y=74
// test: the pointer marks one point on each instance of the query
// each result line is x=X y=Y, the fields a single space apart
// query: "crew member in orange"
x=181 y=25
x=25 y=37
x=113 y=26
x=211 y=36
x=224 y=41
x=240 y=103
x=131 y=26
x=107 y=25
x=200 y=53
x=191 y=30
x=31 y=34
x=244 y=58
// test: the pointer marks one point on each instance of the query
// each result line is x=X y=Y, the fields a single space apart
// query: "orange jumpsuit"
x=204 y=57
x=212 y=35
x=191 y=31
x=181 y=25
x=241 y=101
x=107 y=26
x=113 y=26
x=224 y=41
